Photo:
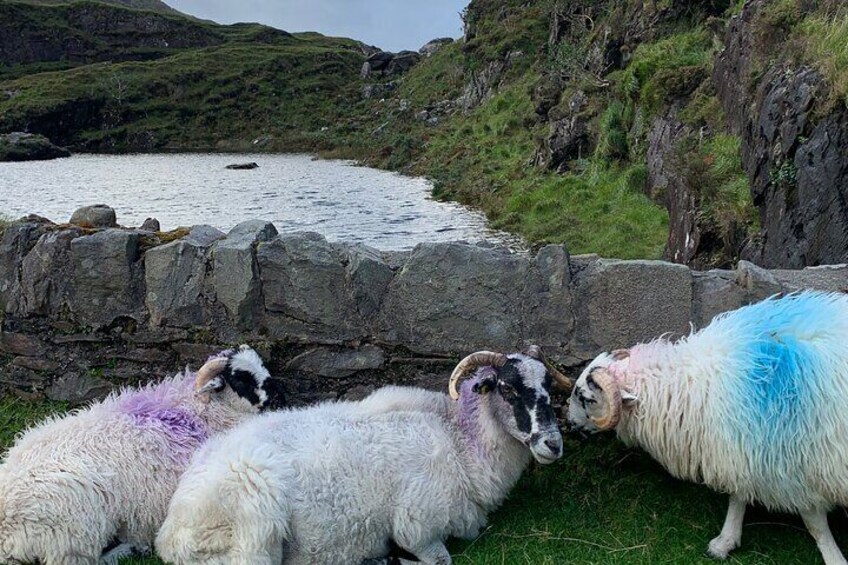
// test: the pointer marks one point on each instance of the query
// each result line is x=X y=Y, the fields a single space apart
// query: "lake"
x=338 y=199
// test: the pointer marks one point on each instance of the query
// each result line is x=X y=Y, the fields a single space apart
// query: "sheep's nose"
x=554 y=445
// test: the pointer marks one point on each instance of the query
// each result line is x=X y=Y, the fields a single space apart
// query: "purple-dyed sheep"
x=74 y=483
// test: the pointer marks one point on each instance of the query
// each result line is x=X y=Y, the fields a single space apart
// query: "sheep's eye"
x=507 y=391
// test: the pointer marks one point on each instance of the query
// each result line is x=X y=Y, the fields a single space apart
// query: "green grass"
x=826 y=48
x=601 y=504
x=16 y=415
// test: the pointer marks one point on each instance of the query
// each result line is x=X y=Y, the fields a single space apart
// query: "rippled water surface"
x=297 y=193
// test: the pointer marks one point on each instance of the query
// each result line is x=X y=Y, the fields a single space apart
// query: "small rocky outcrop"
x=434 y=46
x=387 y=64
x=569 y=136
x=19 y=146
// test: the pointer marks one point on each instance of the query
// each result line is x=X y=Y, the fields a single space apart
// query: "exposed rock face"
x=569 y=137
x=87 y=28
x=434 y=46
x=29 y=147
x=665 y=178
x=96 y=216
x=795 y=160
x=384 y=63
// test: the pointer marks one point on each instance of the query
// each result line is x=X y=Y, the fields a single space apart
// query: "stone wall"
x=86 y=309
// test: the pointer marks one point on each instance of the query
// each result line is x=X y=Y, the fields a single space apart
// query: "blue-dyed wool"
x=792 y=352
x=754 y=404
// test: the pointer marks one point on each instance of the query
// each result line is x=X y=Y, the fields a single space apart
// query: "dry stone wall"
x=88 y=309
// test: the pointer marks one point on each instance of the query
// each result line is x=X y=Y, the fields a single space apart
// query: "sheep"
x=74 y=483
x=337 y=484
x=753 y=405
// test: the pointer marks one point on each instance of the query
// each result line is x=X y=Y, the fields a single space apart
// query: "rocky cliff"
x=89 y=308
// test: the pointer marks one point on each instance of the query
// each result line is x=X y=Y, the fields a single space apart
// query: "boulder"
x=151 y=224
x=16 y=240
x=828 y=278
x=107 y=278
x=338 y=364
x=20 y=146
x=46 y=274
x=305 y=289
x=235 y=274
x=434 y=46
x=455 y=298
x=548 y=302
x=621 y=303
x=757 y=282
x=715 y=291
x=369 y=277
x=175 y=275
x=402 y=62
x=97 y=216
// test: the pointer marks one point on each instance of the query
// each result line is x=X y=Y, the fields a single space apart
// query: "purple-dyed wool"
x=160 y=409
x=469 y=411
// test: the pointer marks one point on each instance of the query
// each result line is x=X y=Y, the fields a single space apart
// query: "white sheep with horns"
x=753 y=405
x=74 y=483
x=335 y=484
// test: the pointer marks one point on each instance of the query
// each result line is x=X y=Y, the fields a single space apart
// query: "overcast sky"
x=390 y=24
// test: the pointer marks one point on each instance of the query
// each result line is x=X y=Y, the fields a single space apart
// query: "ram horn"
x=473 y=361
x=564 y=382
x=612 y=393
x=209 y=371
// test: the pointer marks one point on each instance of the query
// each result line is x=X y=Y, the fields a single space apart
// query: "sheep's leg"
x=433 y=553
x=114 y=555
x=816 y=522
x=731 y=533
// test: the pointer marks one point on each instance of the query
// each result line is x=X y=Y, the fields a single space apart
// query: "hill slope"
x=147 y=5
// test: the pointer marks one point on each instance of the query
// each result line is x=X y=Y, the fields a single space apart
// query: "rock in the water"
x=97 y=216
x=242 y=166
x=20 y=146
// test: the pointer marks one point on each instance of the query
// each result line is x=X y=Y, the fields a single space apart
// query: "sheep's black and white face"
x=521 y=397
x=587 y=403
x=246 y=382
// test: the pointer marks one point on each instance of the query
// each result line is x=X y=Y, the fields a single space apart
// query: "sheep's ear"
x=215 y=385
x=485 y=386
x=628 y=398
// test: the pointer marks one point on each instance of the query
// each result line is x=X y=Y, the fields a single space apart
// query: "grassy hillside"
x=147 y=5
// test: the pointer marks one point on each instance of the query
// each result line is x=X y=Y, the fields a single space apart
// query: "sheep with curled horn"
x=404 y=466
x=753 y=405
x=74 y=484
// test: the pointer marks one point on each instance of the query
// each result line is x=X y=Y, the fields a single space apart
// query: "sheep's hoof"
x=721 y=547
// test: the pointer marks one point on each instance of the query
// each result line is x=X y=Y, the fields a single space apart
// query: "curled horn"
x=473 y=361
x=564 y=382
x=612 y=393
x=209 y=371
